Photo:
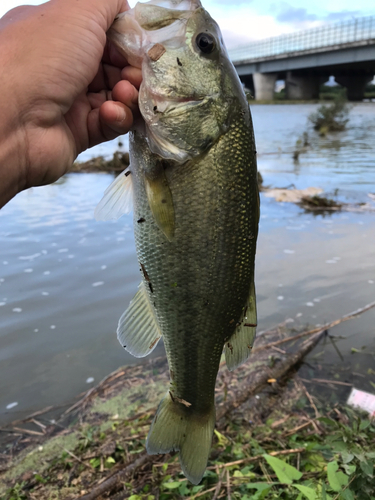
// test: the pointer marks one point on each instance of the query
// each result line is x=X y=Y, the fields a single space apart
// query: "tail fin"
x=177 y=428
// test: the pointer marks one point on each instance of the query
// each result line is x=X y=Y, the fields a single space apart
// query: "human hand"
x=61 y=89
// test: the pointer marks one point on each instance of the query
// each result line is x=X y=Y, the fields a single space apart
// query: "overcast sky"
x=243 y=21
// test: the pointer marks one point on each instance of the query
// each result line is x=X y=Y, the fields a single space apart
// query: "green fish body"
x=196 y=209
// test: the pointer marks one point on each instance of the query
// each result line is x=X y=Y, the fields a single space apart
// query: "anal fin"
x=138 y=331
x=238 y=348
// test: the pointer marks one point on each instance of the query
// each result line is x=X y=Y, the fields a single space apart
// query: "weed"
x=332 y=117
x=16 y=492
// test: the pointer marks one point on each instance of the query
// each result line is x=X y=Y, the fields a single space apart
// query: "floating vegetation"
x=320 y=203
x=331 y=117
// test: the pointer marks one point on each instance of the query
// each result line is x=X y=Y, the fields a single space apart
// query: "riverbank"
x=265 y=410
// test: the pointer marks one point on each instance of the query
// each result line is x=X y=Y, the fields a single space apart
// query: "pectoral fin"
x=138 y=331
x=117 y=199
x=161 y=203
x=237 y=349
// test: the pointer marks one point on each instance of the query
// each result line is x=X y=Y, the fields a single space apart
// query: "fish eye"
x=205 y=42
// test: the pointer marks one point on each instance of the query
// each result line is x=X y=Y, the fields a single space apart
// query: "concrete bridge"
x=306 y=59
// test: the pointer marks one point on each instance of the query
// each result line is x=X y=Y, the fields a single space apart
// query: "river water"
x=65 y=279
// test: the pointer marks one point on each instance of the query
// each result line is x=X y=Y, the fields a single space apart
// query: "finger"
x=108 y=122
x=96 y=99
x=126 y=93
x=106 y=78
x=133 y=75
x=112 y=56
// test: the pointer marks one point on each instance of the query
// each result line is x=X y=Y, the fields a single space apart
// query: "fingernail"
x=121 y=114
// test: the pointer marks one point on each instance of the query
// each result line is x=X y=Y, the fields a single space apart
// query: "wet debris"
x=286 y=195
x=310 y=199
x=319 y=203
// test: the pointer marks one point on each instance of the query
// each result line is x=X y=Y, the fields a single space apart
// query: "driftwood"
x=119 y=477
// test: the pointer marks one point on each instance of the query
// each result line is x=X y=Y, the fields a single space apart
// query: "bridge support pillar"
x=264 y=86
x=355 y=85
x=248 y=81
x=302 y=86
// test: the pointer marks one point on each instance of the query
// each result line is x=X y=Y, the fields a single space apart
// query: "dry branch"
x=319 y=329
x=117 y=478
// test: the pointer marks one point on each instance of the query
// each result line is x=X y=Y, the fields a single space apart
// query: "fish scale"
x=187 y=273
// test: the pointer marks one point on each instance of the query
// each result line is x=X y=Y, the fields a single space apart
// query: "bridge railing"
x=354 y=30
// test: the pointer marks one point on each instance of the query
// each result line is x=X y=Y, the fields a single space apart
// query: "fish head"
x=188 y=82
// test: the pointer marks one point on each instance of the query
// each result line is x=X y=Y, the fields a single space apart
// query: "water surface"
x=65 y=279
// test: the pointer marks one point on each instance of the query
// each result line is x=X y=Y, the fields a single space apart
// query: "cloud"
x=290 y=14
x=342 y=15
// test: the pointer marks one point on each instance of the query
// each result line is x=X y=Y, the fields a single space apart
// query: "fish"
x=192 y=185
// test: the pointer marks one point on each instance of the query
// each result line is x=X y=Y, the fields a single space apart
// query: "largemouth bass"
x=193 y=179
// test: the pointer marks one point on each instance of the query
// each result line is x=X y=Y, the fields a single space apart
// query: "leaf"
x=262 y=490
x=346 y=457
x=367 y=468
x=95 y=462
x=197 y=489
x=223 y=441
x=172 y=486
x=110 y=460
x=259 y=486
x=324 y=493
x=349 y=469
x=327 y=421
x=39 y=479
x=347 y=495
x=336 y=478
x=308 y=492
x=364 y=423
x=285 y=473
